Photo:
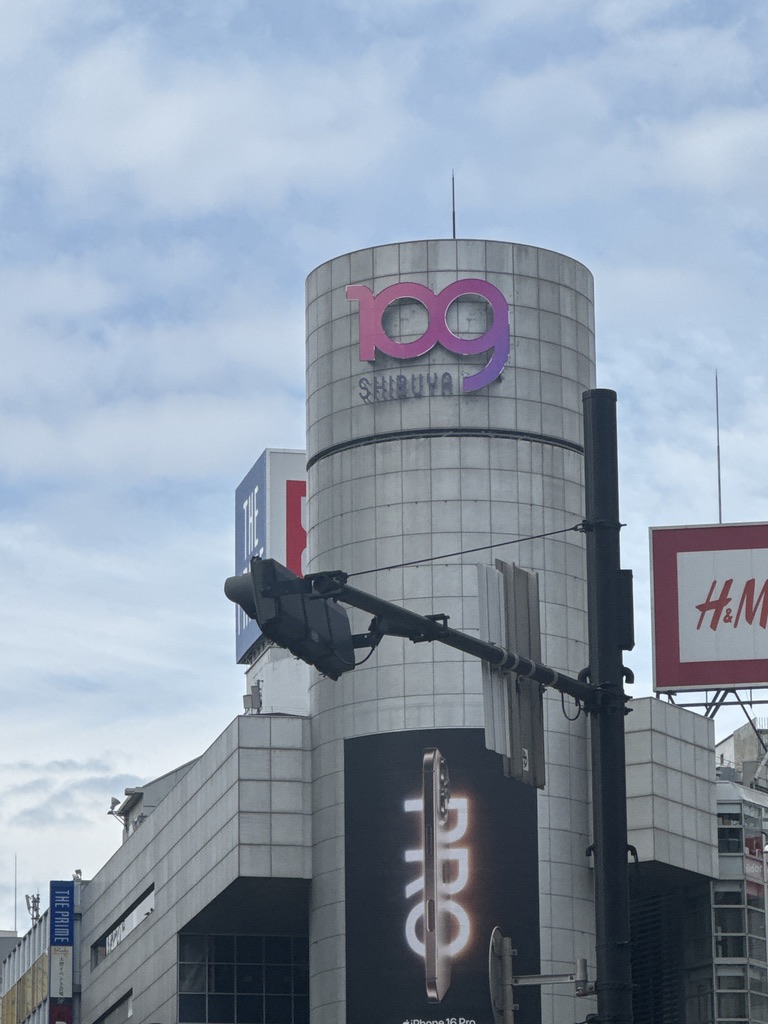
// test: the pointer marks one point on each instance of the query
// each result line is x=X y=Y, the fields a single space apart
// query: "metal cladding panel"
x=710 y=606
x=513 y=706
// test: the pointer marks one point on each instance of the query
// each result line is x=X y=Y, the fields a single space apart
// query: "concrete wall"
x=242 y=810
x=671 y=786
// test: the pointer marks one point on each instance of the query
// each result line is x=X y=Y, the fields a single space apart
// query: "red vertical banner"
x=295 y=534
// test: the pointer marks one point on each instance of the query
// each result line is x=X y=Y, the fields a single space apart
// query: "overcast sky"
x=170 y=172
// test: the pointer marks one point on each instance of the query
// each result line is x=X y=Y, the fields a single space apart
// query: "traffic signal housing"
x=313 y=628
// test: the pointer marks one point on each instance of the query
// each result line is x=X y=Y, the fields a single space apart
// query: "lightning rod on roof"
x=453 y=203
x=719 y=482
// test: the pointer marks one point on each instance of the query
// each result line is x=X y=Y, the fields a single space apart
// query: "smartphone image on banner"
x=436 y=796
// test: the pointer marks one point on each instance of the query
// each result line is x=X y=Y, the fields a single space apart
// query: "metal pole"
x=605 y=595
x=392 y=620
x=508 y=1012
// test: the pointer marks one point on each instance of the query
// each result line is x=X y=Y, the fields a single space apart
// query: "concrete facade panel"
x=200 y=839
x=671 y=786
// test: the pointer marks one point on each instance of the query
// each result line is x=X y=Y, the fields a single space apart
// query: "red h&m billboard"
x=710 y=606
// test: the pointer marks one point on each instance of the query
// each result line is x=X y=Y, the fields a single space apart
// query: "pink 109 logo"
x=495 y=339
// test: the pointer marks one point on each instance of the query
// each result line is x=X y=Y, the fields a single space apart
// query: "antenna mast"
x=719 y=481
x=453 y=203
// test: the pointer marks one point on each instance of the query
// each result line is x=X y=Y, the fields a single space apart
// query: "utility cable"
x=579 y=708
x=577 y=528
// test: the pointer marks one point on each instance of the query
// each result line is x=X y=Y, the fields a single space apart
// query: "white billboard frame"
x=709 y=607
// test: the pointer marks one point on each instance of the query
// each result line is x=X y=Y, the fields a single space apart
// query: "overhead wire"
x=576 y=528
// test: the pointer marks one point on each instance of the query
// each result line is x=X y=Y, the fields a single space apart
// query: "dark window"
x=756 y=922
x=223 y=949
x=191 y=1007
x=301 y=951
x=243 y=979
x=193 y=949
x=250 y=1010
x=278 y=979
x=732 y=1005
x=250 y=977
x=192 y=977
x=221 y=977
x=758 y=1008
x=277 y=950
x=250 y=949
x=301 y=979
x=301 y=1009
x=731 y=896
x=736 y=979
x=121 y=928
x=755 y=895
x=729 y=919
x=729 y=840
x=729 y=946
x=221 y=1009
x=278 y=1009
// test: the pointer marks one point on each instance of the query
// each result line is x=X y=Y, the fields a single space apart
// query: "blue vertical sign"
x=62 y=913
x=250 y=539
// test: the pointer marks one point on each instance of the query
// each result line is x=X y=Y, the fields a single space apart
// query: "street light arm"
x=392 y=620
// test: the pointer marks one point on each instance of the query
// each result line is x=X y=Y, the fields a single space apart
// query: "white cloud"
x=619 y=17
x=664 y=108
x=173 y=436
x=62 y=288
x=186 y=137
x=717 y=151
x=672 y=67
x=94 y=385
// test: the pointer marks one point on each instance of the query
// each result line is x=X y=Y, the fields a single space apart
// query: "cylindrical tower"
x=444 y=384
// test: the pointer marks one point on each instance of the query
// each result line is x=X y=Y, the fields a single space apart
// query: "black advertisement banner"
x=441 y=848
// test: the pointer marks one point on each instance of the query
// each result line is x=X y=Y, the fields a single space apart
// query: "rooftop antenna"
x=15 y=891
x=453 y=203
x=719 y=481
x=33 y=906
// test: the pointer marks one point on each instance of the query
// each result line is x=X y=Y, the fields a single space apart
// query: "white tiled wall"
x=671 y=786
x=375 y=502
x=242 y=810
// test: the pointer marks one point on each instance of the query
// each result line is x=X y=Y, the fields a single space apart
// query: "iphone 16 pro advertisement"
x=441 y=848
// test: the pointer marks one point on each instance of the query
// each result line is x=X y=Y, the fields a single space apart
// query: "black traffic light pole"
x=610 y=631
x=302 y=615
x=392 y=620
